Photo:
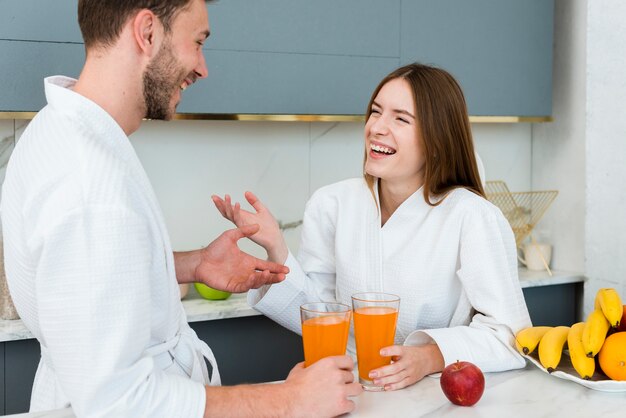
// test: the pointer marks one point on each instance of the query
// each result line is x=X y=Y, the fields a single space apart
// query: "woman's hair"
x=101 y=21
x=443 y=125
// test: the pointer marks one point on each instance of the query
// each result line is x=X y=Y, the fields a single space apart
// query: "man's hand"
x=323 y=389
x=223 y=266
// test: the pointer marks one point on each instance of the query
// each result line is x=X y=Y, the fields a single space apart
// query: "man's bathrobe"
x=91 y=270
x=454 y=267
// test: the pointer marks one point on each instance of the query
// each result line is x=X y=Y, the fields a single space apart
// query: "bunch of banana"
x=584 y=339
x=608 y=301
x=584 y=366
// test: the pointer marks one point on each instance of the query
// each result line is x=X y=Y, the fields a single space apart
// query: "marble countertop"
x=236 y=306
x=523 y=393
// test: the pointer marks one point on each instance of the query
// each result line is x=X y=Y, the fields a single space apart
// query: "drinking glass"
x=325 y=328
x=375 y=317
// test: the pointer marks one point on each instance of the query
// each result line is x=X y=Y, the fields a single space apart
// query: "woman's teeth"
x=381 y=149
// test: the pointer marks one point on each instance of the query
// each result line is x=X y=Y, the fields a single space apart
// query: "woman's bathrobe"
x=91 y=270
x=454 y=267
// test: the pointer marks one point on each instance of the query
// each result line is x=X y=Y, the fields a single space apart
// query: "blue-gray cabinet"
x=315 y=57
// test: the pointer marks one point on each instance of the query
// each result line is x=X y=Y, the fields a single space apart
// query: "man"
x=88 y=258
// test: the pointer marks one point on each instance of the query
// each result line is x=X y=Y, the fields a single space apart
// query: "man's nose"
x=201 y=70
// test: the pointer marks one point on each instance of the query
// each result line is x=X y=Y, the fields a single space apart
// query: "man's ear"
x=146 y=29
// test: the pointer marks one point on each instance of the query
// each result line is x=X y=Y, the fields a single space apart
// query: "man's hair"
x=101 y=21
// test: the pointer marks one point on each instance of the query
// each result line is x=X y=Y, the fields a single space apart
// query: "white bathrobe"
x=454 y=267
x=91 y=270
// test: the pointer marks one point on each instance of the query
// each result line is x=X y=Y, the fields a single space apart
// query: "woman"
x=417 y=225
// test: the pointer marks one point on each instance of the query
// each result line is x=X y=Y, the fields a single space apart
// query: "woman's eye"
x=403 y=120
x=376 y=111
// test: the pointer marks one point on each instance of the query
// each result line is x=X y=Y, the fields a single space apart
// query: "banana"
x=608 y=300
x=594 y=332
x=551 y=347
x=585 y=366
x=527 y=339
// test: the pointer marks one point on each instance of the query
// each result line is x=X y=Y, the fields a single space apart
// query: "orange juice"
x=374 y=328
x=324 y=336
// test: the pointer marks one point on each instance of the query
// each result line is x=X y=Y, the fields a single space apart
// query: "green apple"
x=210 y=293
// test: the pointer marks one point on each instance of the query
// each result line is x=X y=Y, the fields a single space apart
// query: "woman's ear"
x=146 y=27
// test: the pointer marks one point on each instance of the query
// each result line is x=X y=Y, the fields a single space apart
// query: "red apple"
x=463 y=383
x=622 y=322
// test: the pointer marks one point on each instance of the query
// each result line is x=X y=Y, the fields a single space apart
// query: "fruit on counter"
x=527 y=339
x=463 y=383
x=584 y=366
x=608 y=301
x=612 y=356
x=622 y=322
x=551 y=347
x=594 y=332
x=210 y=293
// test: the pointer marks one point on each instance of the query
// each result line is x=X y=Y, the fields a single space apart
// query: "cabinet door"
x=21 y=359
x=2 y=379
x=296 y=56
x=252 y=349
x=25 y=64
x=499 y=50
x=554 y=305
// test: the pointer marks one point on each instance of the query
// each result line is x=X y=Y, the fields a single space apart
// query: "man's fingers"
x=260 y=278
x=246 y=231
x=271 y=266
x=354 y=389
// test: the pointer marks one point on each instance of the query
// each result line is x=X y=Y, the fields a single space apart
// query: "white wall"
x=583 y=152
x=558 y=148
x=283 y=162
x=605 y=225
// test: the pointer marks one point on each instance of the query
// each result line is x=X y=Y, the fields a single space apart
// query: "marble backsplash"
x=282 y=162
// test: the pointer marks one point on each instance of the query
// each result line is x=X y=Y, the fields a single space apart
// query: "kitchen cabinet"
x=253 y=349
x=323 y=57
x=248 y=350
x=500 y=51
x=555 y=305
x=21 y=359
x=2 y=379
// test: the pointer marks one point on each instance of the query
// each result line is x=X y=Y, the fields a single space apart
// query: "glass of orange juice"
x=375 y=317
x=325 y=328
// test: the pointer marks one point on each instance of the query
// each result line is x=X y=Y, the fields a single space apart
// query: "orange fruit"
x=612 y=356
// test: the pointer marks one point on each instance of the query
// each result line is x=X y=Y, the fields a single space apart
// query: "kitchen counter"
x=236 y=306
x=524 y=393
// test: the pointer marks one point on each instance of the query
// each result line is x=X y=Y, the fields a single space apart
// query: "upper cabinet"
x=314 y=57
x=500 y=51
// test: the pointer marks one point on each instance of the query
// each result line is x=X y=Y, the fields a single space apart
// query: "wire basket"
x=522 y=209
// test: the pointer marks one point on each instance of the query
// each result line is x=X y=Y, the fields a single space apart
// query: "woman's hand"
x=269 y=235
x=409 y=365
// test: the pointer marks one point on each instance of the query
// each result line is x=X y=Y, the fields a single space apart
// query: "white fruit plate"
x=566 y=371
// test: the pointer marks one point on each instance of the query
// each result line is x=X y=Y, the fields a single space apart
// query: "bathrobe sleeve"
x=312 y=275
x=488 y=274
x=94 y=310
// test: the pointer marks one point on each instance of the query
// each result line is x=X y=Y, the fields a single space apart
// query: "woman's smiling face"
x=393 y=147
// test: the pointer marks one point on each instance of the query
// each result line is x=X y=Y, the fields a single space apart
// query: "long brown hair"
x=443 y=125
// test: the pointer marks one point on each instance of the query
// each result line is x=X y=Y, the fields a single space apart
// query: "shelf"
x=303 y=118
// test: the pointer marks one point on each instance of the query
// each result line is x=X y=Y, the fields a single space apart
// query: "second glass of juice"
x=325 y=328
x=375 y=317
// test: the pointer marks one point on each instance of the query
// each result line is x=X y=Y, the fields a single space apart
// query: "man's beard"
x=162 y=77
